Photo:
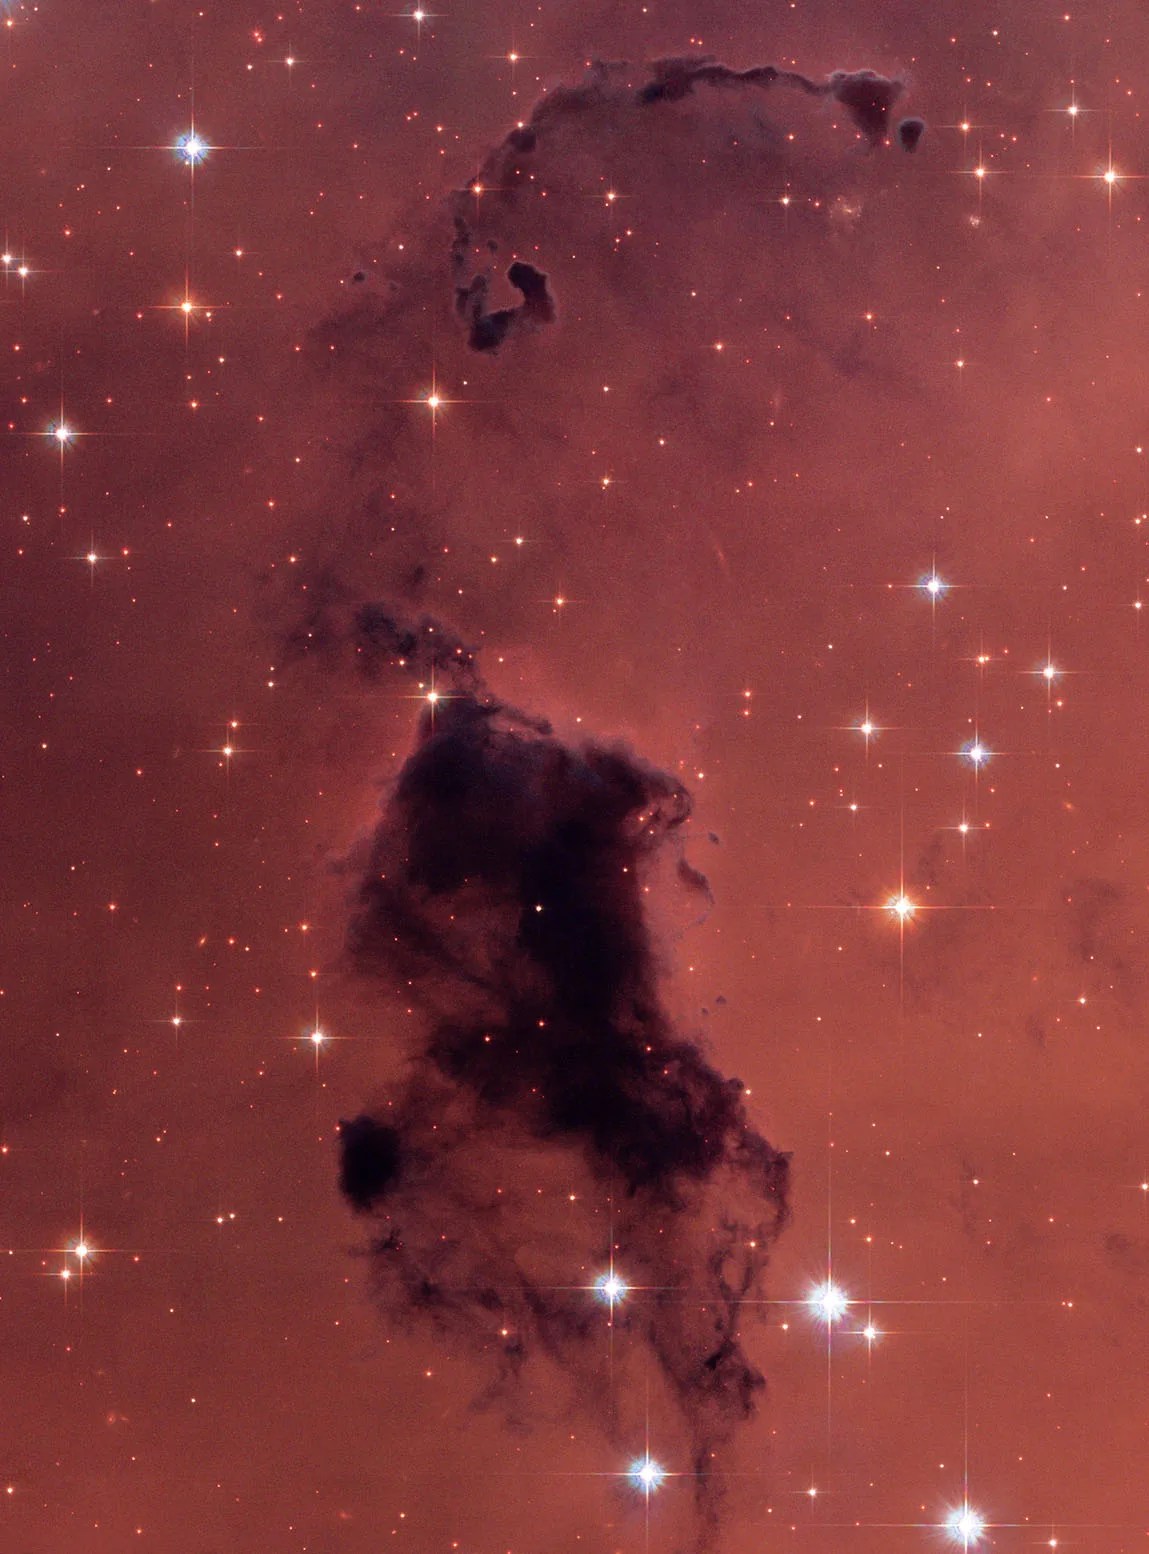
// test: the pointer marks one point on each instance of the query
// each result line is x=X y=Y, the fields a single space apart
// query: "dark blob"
x=370 y=1157
x=867 y=97
x=488 y=330
x=910 y=132
x=504 y=897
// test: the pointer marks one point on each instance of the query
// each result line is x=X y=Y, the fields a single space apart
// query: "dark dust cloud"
x=721 y=375
x=504 y=894
x=866 y=95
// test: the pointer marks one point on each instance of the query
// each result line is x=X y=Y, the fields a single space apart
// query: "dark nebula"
x=370 y=1160
x=489 y=328
x=910 y=132
x=866 y=95
x=503 y=894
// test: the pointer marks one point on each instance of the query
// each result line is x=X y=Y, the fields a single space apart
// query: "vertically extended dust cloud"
x=503 y=893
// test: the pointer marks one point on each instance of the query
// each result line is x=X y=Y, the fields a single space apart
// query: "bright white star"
x=828 y=1302
x=646 y=1474
x=610 y=1288
x=191 y=148
x=965 y=1526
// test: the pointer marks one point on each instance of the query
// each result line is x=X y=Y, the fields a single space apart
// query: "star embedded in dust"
x=933 y=586
x=828 y=1302
x=610 y=1288
x=82 y=1251
x=62 y=433
x=317 y=1038
x=975 y=753
x=192 y=148
x=901 y=906
x=965 y=1526
x=646 y=1474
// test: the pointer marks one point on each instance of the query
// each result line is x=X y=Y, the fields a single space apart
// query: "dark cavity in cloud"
x=503 y=897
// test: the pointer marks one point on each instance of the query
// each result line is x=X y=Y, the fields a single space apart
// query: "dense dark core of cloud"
x=489 y=328
x=910 y=132
x=503 y=893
